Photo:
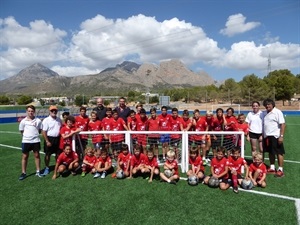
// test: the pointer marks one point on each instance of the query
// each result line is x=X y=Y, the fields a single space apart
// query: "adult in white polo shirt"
x=274 y=127
x=30 y=128
x=255 y=121
x=51 y=128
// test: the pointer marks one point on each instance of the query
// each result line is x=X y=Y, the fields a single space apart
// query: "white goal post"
x=236 y=107
x=184 y=160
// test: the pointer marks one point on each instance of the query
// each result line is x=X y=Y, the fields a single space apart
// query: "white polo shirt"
x=255 y=121
x=272 y=121
x=31 y=130
x=52 y=126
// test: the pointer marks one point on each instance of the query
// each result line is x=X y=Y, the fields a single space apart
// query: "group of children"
x=227 y=169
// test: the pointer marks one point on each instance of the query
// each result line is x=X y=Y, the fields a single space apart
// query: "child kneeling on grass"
x=219 y=169
x=103 y=165
x=137 y=161
x=258 y=171
x=196 y=165
x=89 y=161
x=66 y=161
x=123 y=163
x=151 y=165
x=170 y=173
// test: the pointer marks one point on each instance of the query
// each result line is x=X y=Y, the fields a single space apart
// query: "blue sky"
x=226 y=39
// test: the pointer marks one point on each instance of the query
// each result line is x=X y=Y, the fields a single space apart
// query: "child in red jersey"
x=67 y=132
x=153 y=125
x=170 y=173
x=95 y=125
x=235 y=168
x=218 y=124
x=196 y=164
x=151 y=165
x=106 y=126
x=175 y=125
x=82 y=122
x=131 y=124
x=242 y=126
x=123 y=162
x=137 y=161
x=67 y=160
x=89 y=161
x=141 y=126
x=219 y=169
x=103 y=164
x=258 y=171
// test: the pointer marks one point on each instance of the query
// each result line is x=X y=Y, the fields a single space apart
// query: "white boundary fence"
x=184 y=162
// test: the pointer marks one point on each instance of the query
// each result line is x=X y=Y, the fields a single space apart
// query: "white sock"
x=272 y=167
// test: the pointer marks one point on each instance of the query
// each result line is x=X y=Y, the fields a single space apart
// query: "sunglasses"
x=53 y=110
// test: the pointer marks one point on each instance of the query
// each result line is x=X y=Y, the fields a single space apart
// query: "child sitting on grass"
x=66 y=161
x=196 y=164
x=103 y=164
x=151 y=165
x=170 y=173
x=137 y=161
x=258 y=171
x=89 y=161
x=123 y=162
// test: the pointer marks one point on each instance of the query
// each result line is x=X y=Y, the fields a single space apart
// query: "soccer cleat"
x=38 y=174
x=97 y=175
x=83 y=174
x=46 y=171
x=103 y=175
x=22 y=176
x=279 y=174
x=236 y=190
x=271 y=171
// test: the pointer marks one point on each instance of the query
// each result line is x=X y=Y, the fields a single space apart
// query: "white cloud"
x=236 y=25
x=71 y=71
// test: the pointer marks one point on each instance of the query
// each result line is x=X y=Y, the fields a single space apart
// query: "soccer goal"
x=236 y=107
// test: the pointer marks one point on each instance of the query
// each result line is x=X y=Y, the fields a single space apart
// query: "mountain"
x=38 y=79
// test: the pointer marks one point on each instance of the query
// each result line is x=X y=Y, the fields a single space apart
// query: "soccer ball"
x=120 y=174
x=193 y=180
x=168 y=173
x=213 y=182
x=247 y=184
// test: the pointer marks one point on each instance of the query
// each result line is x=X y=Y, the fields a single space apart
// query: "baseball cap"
x=52 y=107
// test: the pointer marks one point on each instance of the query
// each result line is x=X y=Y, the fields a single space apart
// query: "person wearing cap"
x=51 y=128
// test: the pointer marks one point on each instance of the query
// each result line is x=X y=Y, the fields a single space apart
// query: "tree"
x=42 y=102
x=282 y=82
x=24 y=100
x=4 y=100
x=81 y=100
x=231 y=90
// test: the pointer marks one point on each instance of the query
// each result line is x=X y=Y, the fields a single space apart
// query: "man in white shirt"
x=51 y=128
x=30 y=128
x=274 y=127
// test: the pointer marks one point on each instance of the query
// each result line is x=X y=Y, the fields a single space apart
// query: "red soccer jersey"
x=231 y=123
x=103 y=161
x=66 y=130
x=217 y=124
x=242 y=127
x=186 y=122
x=201 y=125
x=125 y=159
x=153 y=125
x=90 y=159
x=197 y=162
x=219 y=166
x=152 y=162
x=137 y=160
x=63 y=158
x=253 y=167
x=236 y=164
x=175 y=126
x=96 y=126
x=106 y=123
x=164 y=122
x=117 y=125
x=174 y=164
x=82 y=123
x=131 y=122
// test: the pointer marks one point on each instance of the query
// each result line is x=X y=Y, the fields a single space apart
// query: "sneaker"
x=39 y=174
x=23 y=176
x=46 y=171
x=103 y=175
x=158 y=161
x=271 y=171
x=204 y=162
x=83 y=174
x=97 y=175
x=236 y=190
x=279 y=174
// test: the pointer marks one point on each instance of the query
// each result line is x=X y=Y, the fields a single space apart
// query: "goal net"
x=178 y=141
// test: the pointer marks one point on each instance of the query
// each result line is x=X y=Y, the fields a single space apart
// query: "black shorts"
x=216 y=143
x=153 y=140
x=116 y=145
x=27 y=147
x=54 y=148
x=175 y=142
x=271 y=145
x=254 y=135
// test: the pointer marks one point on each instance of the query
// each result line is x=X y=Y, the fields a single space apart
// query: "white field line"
x=297 y=200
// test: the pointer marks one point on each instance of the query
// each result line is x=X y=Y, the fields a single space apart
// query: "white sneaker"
x=97 y=175
x=103 y=175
